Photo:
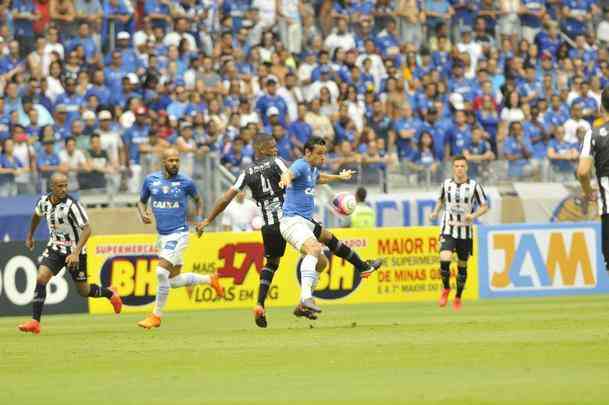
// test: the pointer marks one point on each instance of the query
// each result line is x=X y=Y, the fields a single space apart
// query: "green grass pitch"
x=552 y=350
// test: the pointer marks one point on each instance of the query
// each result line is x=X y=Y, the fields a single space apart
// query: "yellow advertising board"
x=410 y=270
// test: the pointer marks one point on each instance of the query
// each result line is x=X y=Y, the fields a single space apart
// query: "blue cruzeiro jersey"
x=300 y=196
x=169 y=200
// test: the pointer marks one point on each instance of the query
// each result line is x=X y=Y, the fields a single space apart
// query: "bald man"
x=168 y=191
x=69 y=231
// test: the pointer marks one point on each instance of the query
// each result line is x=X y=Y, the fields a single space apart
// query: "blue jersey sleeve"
x=298 y=168
x=145 y=193
x=191 y=189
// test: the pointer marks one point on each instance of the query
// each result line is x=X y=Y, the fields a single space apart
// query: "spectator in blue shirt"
x=71 y=100
x=478 y=153
x=437 y=11
x=114 y=73
x=531 y=15
x=269 y=100
x=563 y=155
x=24 y=15
x=84 y=39
x=299 y=130
x=458 y=136
x=517 y=150
x=577 y=13
x=119 y=13
x=47 y=160
x=10 y=166
x=157 y=13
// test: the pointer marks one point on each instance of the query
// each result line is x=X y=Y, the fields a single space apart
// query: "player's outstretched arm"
x=344 y=175
x=221 y=205
x=29 y=240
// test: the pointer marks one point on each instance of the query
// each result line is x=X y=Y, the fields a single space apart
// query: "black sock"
x=266 y=278
x=445 y=273
x=345 y=252
x=461 y=278
x=96 y=291
x=40 y=294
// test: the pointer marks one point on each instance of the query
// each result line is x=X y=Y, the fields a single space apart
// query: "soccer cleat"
x=152 y=321
x=301 y=311
x=309 y=304
x=444 y=297
x=373 y=265
x=32 y=326
x=457 y=304
x=116 y=301
x=214 y=281
x=260 y=316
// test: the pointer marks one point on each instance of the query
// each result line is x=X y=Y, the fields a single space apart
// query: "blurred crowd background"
x=99 y=89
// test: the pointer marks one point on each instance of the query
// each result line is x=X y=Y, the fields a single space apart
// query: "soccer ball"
x=343 y=203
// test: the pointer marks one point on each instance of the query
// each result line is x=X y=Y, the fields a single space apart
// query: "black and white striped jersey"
x=596 y=146
x=65 y=220
x=262 y=178
x=459 y=200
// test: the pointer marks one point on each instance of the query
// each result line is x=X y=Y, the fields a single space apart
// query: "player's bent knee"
x=325 y=236
x=44 y=275
x=83 y=289
x=312 y=247
x=462 y=263
x=446 y=256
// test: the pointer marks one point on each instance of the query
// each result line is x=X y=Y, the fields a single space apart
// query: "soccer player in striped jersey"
x=464 y=200
x=69 y=230
x=263 y=178
x=168 y=192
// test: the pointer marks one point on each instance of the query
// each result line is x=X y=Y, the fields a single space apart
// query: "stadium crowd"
x=99 y=89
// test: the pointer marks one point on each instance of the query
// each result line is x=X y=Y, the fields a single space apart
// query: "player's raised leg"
x=40 y=294
x=337 y=247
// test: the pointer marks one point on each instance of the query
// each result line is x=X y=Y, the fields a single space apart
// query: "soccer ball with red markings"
x=343 y=203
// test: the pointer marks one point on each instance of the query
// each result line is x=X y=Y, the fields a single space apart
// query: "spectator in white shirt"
x=240 y=214
x=575 y=123
x=341 y=37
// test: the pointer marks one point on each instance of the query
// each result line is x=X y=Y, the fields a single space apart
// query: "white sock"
x=162 y=290
x=188 y=279
x=308 y=276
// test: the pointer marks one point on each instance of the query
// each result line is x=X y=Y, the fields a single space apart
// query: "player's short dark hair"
x=262 y=138
x=605 y=98
x=360 y=194
x=458 y=158
x=314 y=141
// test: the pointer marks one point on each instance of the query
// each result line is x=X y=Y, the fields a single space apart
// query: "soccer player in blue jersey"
x=298 y=227
x=168 y=191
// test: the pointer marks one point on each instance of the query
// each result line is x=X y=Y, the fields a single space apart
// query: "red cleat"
x=116 y=301
x=444 y=297
x=32 y=326
x=457 y=304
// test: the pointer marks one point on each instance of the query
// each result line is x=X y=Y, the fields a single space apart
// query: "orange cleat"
x=260 y=316
x=116 y=301
x=444 y=297
x=457 y=304
x=32 y=326
x=152 y=321
x=214 y=281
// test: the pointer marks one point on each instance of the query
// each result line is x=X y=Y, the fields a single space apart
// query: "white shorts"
x=297 y=230
x=172 y=247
